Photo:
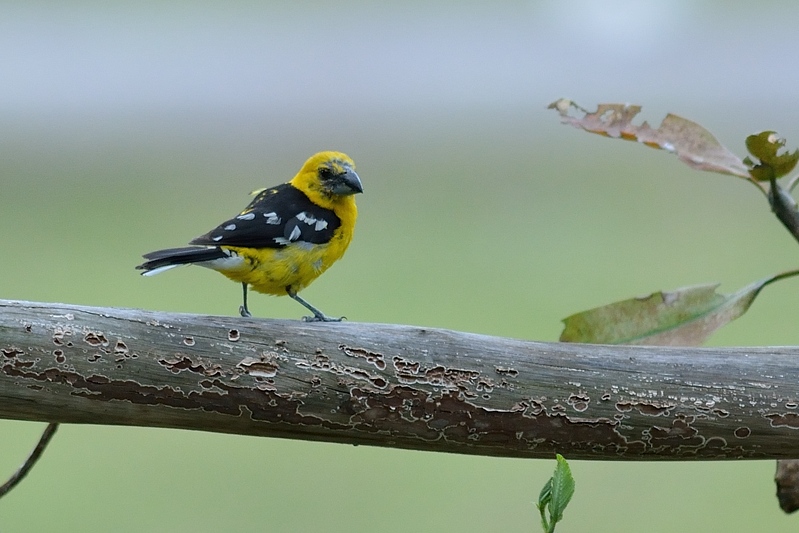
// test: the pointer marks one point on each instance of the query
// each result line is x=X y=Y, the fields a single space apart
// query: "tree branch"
x=784 y=208
x=397 y=386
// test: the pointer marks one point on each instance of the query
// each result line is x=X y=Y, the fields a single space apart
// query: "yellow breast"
x=295 y=266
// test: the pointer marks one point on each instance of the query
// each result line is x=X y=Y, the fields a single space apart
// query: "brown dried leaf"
x=693 y=144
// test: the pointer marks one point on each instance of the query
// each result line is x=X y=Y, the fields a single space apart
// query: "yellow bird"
x=285 y=238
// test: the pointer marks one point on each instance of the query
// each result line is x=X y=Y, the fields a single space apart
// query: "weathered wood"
x=398 y=386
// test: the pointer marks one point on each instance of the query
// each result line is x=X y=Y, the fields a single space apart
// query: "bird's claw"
x=323 y=318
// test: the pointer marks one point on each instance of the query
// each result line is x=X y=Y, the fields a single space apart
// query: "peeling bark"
x=396 y=386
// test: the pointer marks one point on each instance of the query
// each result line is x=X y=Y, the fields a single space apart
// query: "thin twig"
x=37 y=452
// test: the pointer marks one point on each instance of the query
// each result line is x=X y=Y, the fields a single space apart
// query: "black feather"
x=180 y=256
x=251 y=230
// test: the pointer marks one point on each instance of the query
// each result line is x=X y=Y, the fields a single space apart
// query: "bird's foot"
x=323 y=318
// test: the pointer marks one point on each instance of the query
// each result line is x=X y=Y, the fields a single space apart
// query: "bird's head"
x=328 y=177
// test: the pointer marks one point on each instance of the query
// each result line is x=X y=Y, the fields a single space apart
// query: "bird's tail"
x=161 y=260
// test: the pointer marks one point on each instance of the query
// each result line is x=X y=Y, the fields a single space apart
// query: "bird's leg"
x=243 y=311
x=318 y=316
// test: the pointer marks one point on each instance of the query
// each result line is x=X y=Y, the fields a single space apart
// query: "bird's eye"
x=325 y=173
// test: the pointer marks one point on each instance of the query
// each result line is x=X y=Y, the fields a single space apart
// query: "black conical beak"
x=348 y=183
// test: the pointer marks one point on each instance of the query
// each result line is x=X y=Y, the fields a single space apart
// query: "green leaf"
x=543 y=502
x=546 y=494
x=562 y=489
x=555 y=495
x=684 y=317
x=765 y=146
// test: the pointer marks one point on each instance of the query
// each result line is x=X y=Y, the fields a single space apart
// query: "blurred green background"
x=133 y=126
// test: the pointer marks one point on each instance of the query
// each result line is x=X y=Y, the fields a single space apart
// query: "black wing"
x=276 y=217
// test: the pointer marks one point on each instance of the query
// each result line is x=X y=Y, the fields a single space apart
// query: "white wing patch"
x=294 y=236
x=230 y=227
x=305 y=217
x=318 y=223
x=272 y=218
x=246 y=216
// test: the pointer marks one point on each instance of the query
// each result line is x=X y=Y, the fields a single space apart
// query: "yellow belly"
x=272 y=271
